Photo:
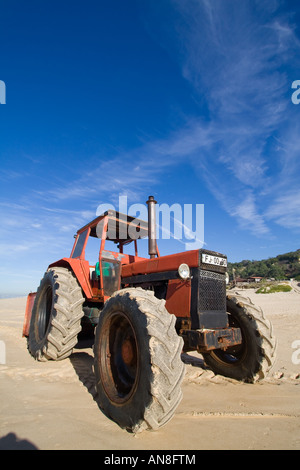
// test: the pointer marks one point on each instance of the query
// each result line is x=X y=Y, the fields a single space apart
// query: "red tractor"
x=145 y=312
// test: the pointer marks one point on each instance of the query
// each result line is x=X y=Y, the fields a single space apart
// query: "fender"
x=81 y=270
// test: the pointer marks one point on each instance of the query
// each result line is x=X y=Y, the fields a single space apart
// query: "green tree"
x=277 y=272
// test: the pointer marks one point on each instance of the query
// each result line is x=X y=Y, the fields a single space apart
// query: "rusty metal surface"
x=163 y=263
x=207 y=339
x=28 y=310
x=178 y=298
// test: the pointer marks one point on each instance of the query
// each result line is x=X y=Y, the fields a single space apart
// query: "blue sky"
x=188 y=100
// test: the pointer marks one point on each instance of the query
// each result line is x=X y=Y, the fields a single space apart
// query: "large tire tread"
x=261 y=344
x=167 y=369
x=265 y=339
x=65 y=320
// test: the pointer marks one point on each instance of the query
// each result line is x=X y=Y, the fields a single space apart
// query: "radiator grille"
x=212 y=291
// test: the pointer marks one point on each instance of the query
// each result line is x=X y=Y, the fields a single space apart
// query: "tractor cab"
x=100 y=276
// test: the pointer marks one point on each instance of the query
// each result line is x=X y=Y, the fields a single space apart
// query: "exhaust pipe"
x=151 y=227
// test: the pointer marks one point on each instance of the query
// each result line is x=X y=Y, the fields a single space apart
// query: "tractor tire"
x=138 y=365
x=253 y=359
x=56 y=316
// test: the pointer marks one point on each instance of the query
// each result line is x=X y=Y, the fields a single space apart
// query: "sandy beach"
x=53 y=405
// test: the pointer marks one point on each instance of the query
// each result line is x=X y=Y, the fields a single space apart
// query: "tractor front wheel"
x=138 y=363
x=253 y=359
x=56 y=316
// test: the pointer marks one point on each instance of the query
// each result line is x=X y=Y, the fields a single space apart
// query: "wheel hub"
x=127 y=352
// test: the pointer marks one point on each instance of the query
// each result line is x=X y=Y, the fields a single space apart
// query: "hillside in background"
x=284 y=266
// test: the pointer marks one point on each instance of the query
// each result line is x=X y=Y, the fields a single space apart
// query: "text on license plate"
x=216 y=260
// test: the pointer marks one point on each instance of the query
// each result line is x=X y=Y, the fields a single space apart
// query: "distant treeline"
x=284 y=266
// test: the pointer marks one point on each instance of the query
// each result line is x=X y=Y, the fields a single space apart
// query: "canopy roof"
x=122 y=228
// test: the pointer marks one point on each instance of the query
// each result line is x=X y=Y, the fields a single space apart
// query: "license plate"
x=215 y=260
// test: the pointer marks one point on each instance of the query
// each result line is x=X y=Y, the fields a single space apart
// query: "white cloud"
x=232 y=55
x=235 y=56
x=285 y=210
x=248 y=216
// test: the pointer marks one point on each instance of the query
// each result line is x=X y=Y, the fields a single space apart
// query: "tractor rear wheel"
x=138 y=363
x=255 y=356
x=56 y=316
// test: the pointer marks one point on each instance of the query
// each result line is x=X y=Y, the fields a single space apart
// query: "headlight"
x=184 y=271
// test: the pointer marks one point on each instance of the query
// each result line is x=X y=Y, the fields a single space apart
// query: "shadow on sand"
x=12 y=442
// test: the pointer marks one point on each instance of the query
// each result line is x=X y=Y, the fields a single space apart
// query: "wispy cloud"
x=248 y=216
x=236 y=56
x=244 y=144
x=244 y=147
x=285 y=209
